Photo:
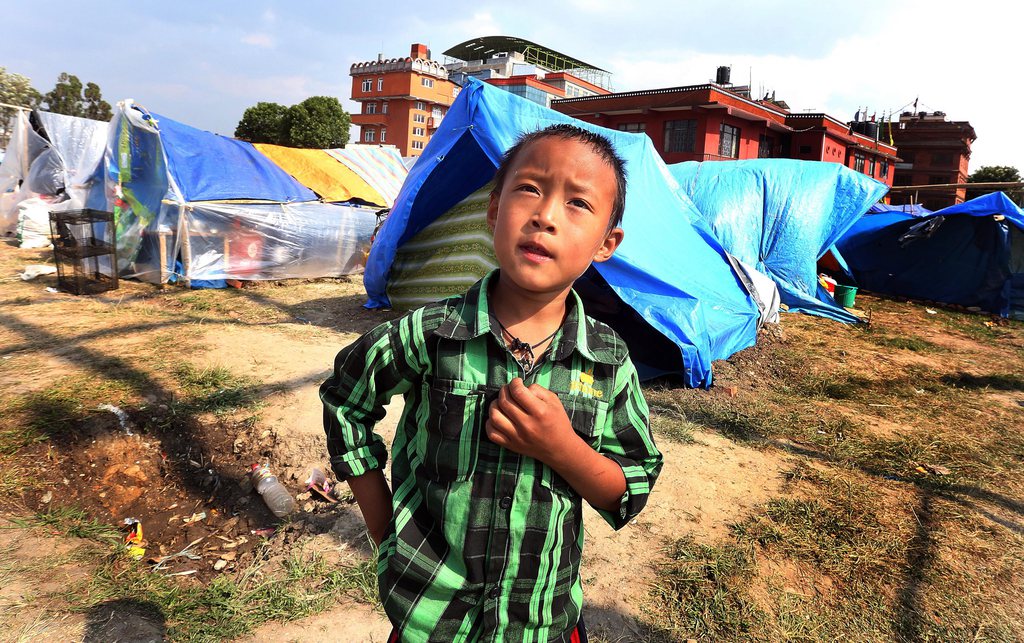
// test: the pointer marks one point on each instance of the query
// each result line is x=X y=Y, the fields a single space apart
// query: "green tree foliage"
x=95 y=107
x=319 y=122
x=261 y=123
x=996 y=174
x=71 y=98
x=15 y=89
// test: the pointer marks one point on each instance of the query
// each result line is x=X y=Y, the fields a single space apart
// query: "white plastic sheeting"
x=52 y=166
x=257 y=241
x=13 y=171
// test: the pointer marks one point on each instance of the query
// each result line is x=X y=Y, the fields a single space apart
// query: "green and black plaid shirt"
x=485 y=544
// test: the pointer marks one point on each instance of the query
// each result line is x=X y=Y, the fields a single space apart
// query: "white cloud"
x=269 y=16
x=258 y=40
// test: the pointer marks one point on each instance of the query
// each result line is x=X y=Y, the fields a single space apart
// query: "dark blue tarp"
x=779 y=216
x=957 y=255
x=210 y=167
x=915 y=209
x=677 y=302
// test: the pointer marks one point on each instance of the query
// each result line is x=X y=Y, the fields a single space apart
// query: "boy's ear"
x=611 y=242
x=492 y=211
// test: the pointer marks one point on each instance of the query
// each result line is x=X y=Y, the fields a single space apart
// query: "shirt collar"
x=470 y=318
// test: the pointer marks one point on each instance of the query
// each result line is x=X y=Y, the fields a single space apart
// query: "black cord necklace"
x=516 y=345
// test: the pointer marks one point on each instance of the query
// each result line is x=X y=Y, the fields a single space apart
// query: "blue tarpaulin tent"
x=780 y=216
x=208 y=167
x=971 y=254
x=675 y=298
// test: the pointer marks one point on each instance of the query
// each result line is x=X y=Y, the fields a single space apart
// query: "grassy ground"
x=901 y=517
x=904 y=518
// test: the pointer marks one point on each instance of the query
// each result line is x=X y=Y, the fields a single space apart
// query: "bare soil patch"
x=906 y=430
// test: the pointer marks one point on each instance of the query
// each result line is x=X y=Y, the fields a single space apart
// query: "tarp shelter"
x=322 y=173
x=52 y=163
x=669 y=290
x=971 y=254
x=379 y=165
x=780 y=216
x=228 y=210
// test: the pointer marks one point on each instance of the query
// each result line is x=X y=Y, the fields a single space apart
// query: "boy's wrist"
x=567 y=453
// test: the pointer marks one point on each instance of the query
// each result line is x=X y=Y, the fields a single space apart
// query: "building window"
x=427 y=82
x=380 y=84
x=681 y=136
x=369 y=135
x=417 y=145
x=632 y=127
x=765 y=147
x=367 y=84
x=419 y=131
x=383 y=134
x=805 y=149
x=371 y=108
x=871 y=167
x=941 y=159
x=419 y=105
x=384 y=107
x=419 y=118
x=437 y=112
x=729 y=141
x=884 y=171
x=858 y=162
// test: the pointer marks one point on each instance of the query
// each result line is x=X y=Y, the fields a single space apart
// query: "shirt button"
x=494 y=593
x=506 y=502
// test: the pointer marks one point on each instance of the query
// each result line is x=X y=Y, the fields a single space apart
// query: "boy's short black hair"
x=600 y=144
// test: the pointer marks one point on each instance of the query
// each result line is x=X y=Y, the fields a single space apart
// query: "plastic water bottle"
x=278 y=500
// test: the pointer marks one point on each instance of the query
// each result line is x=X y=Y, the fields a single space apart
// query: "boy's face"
x=551 y=217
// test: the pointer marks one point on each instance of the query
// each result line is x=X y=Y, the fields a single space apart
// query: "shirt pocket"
x=452 y=441
x=587 y=416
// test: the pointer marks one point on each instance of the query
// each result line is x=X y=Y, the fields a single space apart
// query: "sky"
x=203 y=63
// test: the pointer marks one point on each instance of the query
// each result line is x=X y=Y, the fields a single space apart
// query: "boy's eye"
x=579 y=203
x=528 y=188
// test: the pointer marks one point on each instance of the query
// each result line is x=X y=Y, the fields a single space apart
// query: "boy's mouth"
x=535 y=252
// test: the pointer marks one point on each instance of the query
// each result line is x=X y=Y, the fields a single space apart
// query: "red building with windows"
x=718 y=122
x=933 y=151
x=402 y=100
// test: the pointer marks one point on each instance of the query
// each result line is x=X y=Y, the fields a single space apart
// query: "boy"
x=517 y=408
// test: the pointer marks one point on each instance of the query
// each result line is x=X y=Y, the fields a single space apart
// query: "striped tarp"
x=381 y=167
x=446 y=257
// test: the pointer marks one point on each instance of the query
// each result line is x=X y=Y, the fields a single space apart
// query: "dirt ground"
x=211 y=382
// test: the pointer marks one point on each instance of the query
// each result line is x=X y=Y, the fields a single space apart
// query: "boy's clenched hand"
x=531 y=421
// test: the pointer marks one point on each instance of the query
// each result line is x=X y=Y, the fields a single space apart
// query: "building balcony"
x=433 y=122
x=369 y=119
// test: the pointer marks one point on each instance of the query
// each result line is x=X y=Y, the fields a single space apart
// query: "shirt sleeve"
x=367 y=373
x=628 y=441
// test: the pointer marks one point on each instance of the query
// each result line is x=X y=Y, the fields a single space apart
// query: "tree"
x=261 y=123
x=319 y=122
x=996 y=174
x=15 y=89
x=70 y=98
x=95 y=107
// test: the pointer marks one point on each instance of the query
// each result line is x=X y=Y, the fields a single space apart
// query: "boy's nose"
x=544 y=215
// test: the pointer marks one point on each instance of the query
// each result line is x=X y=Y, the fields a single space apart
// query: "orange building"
x=721 y=122
x=933 y=151
x=402 y=100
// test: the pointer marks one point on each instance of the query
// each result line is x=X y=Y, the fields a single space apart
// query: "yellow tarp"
x=322 y=173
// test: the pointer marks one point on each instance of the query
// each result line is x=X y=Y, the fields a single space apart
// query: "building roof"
x=486 y=46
